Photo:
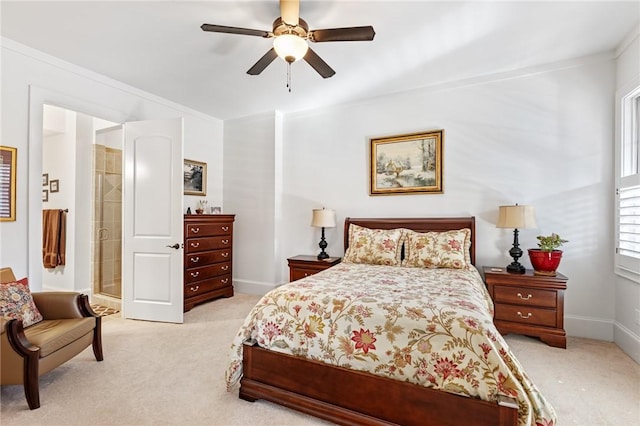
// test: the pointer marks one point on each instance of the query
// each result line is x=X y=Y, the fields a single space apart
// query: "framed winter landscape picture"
x=407 y=164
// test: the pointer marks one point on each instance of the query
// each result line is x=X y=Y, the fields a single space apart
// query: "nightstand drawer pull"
x=195 y=230
x=196 y=288
x=529 y=296
x=195 y=259
x=524 y=317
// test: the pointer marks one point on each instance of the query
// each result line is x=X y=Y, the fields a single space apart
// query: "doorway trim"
x=39 y=96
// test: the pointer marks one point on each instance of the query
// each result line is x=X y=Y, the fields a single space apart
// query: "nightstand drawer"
x=525 y=296
x=296 y=273
x=525 y=315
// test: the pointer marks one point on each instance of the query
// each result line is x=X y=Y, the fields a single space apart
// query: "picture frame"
x=8 y=163
x=54 y=185
x=45 y=179
x=195 y=177
x=45 y=195
x=407 y=164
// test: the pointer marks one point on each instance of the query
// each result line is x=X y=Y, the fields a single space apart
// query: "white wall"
x=27 y=73
x=627 y=292
x=542 y=137
x=250 y=165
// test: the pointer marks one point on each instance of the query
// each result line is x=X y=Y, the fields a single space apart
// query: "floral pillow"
x=374 y=246
x=447 y=249
x=16 y=302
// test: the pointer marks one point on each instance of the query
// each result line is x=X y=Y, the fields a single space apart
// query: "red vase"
x=545 y=262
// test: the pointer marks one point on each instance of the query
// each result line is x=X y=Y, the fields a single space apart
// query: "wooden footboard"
x=350 y=397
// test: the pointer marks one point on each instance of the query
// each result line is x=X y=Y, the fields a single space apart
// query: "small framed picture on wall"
x=45 y=195
x=54 y=185
x=45 y=179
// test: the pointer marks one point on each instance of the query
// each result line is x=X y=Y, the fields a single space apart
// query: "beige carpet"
x=168 y=374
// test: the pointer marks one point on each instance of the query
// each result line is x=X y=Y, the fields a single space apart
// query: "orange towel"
x=53 y=238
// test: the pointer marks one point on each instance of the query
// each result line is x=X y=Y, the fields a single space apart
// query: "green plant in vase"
x=546 y=258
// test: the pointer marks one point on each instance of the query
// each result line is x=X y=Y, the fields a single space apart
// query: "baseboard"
x=252 y=287
x=589 y=327
x=627 y=340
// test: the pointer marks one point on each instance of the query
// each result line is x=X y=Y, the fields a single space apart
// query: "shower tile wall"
x=107 y=220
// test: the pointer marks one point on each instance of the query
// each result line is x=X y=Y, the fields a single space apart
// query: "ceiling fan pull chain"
x=289 y=76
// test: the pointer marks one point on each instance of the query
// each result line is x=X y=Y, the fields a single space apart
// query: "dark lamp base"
x=515 y=268
x=323 y=255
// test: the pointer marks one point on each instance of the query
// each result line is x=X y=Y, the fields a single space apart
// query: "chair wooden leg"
x=31 y=384
x=97 y=340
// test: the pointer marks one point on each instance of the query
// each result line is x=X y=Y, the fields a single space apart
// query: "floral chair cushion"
x=448 y=249
x=16 y=302
x=374 y=246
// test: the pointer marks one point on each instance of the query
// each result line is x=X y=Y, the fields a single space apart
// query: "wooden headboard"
x=418 y=225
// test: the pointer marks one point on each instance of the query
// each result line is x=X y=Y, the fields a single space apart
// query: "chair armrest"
x=15 y=334
x=59 y=304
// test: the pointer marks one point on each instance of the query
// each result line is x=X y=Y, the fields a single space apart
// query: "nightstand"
x=303 y=265
x=528 y=304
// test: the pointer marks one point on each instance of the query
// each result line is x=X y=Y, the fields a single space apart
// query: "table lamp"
x=323 y=218
x=516 y=217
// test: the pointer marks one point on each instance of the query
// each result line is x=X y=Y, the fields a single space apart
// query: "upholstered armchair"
x=68 y=326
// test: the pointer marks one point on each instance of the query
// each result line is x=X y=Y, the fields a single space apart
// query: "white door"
x=152 y=275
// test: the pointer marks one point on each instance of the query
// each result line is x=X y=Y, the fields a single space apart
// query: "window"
x=628 y=186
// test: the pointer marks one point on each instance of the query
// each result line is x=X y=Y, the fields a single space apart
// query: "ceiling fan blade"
x=343 y=34
x=290 y=11
x=318 y=64
x=235 y=30
x=263 y=62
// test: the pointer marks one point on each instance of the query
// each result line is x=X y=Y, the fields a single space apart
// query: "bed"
x=387 y=337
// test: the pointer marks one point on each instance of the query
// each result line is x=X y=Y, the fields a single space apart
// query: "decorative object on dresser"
x=516 y=217
x=528 y=304
x=323 y=218
x=302 y=266
x=546 y=258
x=208 y=258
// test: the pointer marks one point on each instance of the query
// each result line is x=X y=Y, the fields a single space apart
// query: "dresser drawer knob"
x=225 y=267
x=224 y=281
x=195 y=230
x=196 y=288
x=194 y=259
x=523 y=316
x=196 y=244
x=225 y=228
x=195 y=274
x=225 y=254
x=225 y=241
x=529 y=296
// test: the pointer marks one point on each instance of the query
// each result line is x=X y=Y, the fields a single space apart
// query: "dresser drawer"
x=207 y=229
x=199 y=259
x=195 y=245
x=208 y=271
x=525 y=315
x=525 y=296
x=204 y=286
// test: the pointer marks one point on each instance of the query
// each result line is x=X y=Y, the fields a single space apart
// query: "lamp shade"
x=323 y=218
x=290 y=47
x=517 y=217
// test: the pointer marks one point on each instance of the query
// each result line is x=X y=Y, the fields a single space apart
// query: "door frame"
x=39 y=96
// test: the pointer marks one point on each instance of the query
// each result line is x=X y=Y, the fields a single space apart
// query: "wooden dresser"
x=528 y=304
x=208 y=258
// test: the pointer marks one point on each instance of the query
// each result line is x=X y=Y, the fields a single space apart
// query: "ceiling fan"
x=290 y=34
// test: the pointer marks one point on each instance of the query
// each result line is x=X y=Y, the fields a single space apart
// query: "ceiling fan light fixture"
x=290 y=47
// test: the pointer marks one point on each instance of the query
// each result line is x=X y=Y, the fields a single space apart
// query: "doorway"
x=84 y=155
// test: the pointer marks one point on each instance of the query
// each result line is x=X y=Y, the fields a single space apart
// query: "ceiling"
x=160 y=48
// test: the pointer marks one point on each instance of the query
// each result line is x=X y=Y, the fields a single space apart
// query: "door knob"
x=175 y=246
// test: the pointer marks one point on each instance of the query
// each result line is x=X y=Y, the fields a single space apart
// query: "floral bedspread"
x=431 y=327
